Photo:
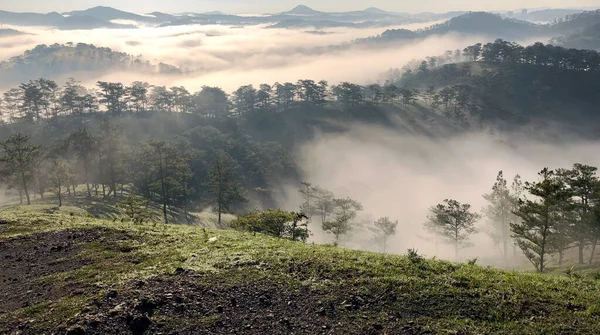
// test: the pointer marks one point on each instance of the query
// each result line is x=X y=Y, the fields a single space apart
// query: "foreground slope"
x=68 y=273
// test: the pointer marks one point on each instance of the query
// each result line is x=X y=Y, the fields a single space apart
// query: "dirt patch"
x=27 y=259
x=192 y=303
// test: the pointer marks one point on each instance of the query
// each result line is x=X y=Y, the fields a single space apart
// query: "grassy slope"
x=431 y=296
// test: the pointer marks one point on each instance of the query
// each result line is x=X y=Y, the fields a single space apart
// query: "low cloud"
x=228 y=57
x=402 y=175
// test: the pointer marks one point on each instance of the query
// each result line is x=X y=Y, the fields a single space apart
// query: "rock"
x=3 y=221
x=139 y=325
x=233 y=302
x=146 y=306
x=264 y=300
x=76 y=330
x=220 y=309
x=377 y=326
x=111 y=294
x=179 y=271
x=117 y=310
x=213 y=239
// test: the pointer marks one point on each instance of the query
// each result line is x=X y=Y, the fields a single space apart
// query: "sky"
x=271 y=6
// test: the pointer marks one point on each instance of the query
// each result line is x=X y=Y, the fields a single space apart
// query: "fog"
x=401 y=176
x=229 y=57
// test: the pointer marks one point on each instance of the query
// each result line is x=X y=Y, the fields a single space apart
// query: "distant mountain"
x=10 y=32
x=473 y=23
x=303 y=10
x=31 y=19
x=163 y=17
x=576 y=23
x=375 y=10
x=59 y=61
x=545 y=15
x=587 y=39
x=109 y=14
x=487 y=24
x=56 y=20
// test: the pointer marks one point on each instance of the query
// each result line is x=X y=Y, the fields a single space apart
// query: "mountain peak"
x=375 y=10
x=303 y=10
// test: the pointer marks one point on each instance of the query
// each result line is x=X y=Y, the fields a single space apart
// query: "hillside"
x=69 y=273
x=56 y=20
x=589 y=38
x=9 y=32
x=109 y=14
x=54 y=61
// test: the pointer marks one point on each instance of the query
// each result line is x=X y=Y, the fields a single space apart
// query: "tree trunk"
x=74 y=190
x=581 y=247
x=595 y=243
x=103 y=191
x=456 y=251
x=219 y=209
x=59 y=196
x=24 y=183
x=561 y=254
x=69 y=189
x=89 y=191
x=20 y=196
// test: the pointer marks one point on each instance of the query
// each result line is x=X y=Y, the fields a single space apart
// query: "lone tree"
x=383 y=229
x=84 y=145
x=161 y=156
x=540 y=218
x=223 y=187
x=135 y=208
x=453 y=221
x=499 y=212
x=60 y=175
x=583 y=183
x=19 y=160
x=279 y=223
x=346 y=210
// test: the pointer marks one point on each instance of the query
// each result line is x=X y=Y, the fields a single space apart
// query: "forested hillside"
x=56 y=60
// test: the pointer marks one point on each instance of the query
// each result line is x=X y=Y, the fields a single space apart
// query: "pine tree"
x=453 y=221
x=346 y=210
x=223 y=188
x=499 y=213
x=540 y=218
x=60 y=175
x=20 y=160
x=383 y=229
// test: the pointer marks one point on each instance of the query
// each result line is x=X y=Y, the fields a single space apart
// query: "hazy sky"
x=263 y=6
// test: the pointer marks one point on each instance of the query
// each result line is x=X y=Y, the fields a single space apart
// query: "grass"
x=443 y=297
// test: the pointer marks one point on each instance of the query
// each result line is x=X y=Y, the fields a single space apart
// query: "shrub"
x=279 y=223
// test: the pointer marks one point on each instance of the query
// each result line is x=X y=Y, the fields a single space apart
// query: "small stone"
x=76 y=330
x=111 y=294
x=378 y=326
x=139 y=324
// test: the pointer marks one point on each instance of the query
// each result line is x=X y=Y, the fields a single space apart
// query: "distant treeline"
x=45 y=99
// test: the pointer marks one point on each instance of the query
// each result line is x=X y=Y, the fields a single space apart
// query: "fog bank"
x=402 y=176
